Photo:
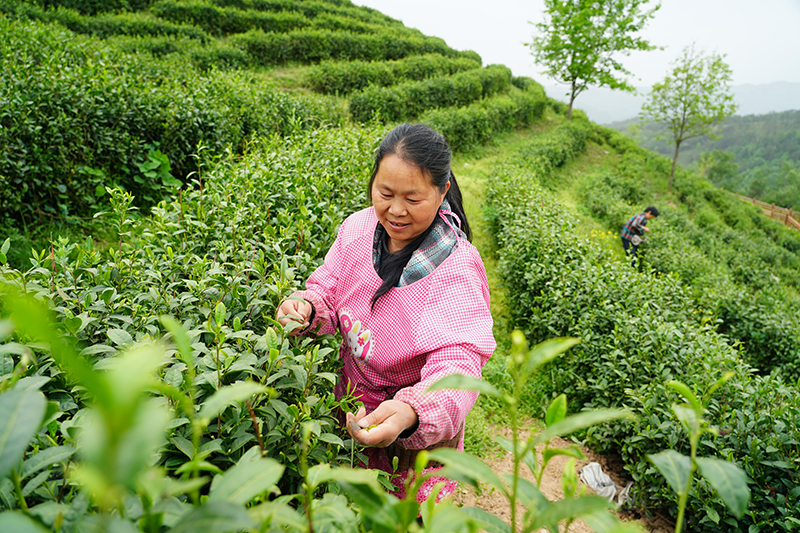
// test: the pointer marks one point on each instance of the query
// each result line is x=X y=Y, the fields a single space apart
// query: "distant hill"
x=605 y=106
x=757 y=155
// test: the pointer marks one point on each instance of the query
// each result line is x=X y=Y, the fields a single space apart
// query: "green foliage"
x=80 y=115
x=345 y=77
x=727 y=479
x=218 y=257
x=638 y=331
x=95 y=7
x=693 y=99
x=313 y=46
x=479 y=122
x=231 y=19
x=578 y=40
x=410 y=99
x=102 y=25
x=227 y=20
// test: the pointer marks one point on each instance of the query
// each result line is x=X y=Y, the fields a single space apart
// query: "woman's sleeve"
x=458 y=323
x=321 y=291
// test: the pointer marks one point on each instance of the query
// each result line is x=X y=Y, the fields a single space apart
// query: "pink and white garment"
x=415 y=335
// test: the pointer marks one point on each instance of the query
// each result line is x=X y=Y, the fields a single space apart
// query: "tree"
x=693 y=99
x=578 y=40
x=719 y=167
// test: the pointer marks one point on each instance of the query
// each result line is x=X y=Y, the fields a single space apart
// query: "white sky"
x=760 y=38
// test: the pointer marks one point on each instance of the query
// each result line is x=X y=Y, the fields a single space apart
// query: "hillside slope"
x=761 y=155
x=244 y=130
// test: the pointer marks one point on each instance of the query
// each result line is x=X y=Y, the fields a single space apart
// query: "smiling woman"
x=405 y=201
x=408 y=292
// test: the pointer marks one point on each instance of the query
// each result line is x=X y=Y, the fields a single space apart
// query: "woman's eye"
x=413 y=202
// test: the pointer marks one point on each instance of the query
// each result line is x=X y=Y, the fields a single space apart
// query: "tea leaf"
x=246 y=480
x=21 y=413
x=229 y=395
x=557 y=410
x=675 y=467
x=728 y=480
x=488 y=522
x=466 y=468
x=581 y=421
x=460 y=381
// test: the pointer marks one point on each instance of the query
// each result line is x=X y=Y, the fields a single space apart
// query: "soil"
x=495 y=503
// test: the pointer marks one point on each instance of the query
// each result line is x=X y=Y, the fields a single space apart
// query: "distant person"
x=633 y=232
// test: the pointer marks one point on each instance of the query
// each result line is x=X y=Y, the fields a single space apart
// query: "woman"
x=409 y=294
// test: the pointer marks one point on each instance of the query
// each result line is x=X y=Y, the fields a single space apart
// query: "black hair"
x=652 y=210
x=420 y=146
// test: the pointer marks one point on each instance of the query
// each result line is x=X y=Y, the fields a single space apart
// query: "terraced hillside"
x=222 y=143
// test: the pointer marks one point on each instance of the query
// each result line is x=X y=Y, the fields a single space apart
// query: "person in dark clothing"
x=633 y=231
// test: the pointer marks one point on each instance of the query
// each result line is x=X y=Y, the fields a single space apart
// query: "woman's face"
x=405 y=200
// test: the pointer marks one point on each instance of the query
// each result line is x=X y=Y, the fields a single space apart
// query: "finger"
x=379 y=436
x=350 y=424
x=380 y=415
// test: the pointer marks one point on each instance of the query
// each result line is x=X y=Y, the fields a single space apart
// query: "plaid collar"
x=437 y=246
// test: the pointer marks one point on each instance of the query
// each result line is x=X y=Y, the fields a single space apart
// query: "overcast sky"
x=761 y=38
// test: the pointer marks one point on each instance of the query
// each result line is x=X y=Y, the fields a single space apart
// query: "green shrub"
x=72 y=124
x=638 y=331
x=313 y=46
x=410 y=99
x=218 y=257
x=224 y=21
x=105 y=24
x=345 y=77
x=477 y=123
x=95 y=7
x=312 y=9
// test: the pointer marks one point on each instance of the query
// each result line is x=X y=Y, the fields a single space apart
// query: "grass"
x=473 y=171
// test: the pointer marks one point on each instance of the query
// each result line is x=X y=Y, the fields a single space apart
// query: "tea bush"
x=477 y=123
x=218 y=257
x=79 y=116
x=227 y=20
x=313 y=46
x=345 y=77
x=638 y=331
x=95 y=7
x=312 y=9
x=102 y=25
x=410 y=99
x=745 y=276
x=220 y=21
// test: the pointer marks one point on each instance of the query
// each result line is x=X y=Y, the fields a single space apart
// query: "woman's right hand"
x=295 y=311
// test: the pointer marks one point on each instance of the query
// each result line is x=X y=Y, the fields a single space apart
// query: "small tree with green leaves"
x=692 y=100
x=579 y=40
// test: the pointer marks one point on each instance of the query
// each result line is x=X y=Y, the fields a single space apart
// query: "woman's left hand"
x=381 y=427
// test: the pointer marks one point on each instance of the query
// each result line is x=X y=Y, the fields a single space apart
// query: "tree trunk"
x=571 y=101
x=674 y=162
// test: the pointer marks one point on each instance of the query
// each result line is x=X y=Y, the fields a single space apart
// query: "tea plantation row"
x=742 y=267
x=638 y=331
x=218 y=258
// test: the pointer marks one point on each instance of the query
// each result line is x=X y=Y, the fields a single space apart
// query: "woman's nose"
x=397 y=209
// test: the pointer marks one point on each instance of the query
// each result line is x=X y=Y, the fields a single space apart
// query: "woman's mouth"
x=397 y=225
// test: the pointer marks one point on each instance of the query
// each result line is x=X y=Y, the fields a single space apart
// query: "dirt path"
x=472 y=178
x=495 y=503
